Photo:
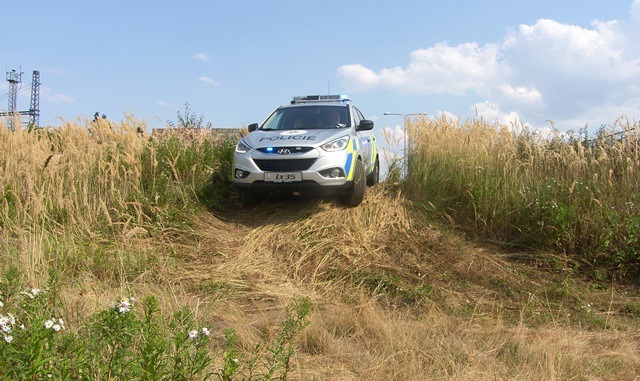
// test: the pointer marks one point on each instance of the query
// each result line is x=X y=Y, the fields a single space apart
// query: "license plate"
x=282 y=177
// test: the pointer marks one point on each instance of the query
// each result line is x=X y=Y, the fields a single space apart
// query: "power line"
x=22 y=89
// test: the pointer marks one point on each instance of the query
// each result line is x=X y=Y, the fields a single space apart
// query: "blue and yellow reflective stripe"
x=350 y=164
x=374 y=149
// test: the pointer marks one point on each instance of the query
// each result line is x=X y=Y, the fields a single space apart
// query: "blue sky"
x=573 y=62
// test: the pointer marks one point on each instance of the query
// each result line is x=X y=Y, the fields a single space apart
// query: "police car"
x=319 y=144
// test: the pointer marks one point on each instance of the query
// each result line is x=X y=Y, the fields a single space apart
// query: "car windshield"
x=308 y=118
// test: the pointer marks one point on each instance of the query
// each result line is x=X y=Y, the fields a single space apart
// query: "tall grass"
x=571 y=192
x=98 y=180
x=93 y=213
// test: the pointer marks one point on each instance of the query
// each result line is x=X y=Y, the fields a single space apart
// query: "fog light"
x=239 y=174
x=332 y=173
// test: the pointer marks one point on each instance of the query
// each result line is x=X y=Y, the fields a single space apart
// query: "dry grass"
x=395 y=296
x=571 y=193
x=466 y=327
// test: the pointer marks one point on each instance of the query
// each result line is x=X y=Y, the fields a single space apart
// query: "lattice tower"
x=34 y=109
x=13 y=77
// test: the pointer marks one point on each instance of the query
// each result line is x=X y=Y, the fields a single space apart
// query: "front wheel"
x=355 y=195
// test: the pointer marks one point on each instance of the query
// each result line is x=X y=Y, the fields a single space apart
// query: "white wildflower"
x=55 y=324
x=6 y=323
x=124 y=306
x=32 y=293
x=205 y=331
x=8 y=339
x=193 y=334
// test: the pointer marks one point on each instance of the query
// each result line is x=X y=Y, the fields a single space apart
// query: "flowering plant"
x=127 y=340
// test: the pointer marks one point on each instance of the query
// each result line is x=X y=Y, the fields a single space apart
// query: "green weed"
x=129 y=340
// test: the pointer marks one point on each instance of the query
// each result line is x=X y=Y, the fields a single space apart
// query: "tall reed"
x=568 y=192
x=97 y=180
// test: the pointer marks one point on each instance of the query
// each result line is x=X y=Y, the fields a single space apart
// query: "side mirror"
x=252 y=127
x=365 y=125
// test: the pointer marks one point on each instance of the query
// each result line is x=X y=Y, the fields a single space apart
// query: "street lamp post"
x=405 y=164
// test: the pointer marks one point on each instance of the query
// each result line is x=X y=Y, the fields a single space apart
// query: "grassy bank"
x=125 y=256
x=574 y=194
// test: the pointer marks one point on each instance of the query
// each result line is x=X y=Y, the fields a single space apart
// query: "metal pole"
x=405 y=165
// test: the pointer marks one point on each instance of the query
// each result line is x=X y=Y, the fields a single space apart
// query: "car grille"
x=285 y=165
x=272 y=150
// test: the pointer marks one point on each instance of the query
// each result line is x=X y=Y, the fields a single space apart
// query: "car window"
x=308 y=118
x=273 y=121
x=357 y=116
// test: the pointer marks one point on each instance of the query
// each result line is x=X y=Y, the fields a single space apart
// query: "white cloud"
x=547 y=70
x=440 y=69
x=635 y=10
x=208 y=81
x=491 y=113
x=394 y=136
x=53 y=97
x=391 y=148
x=358 y=77
x=202 y=57
x=520 y=94
x=165 y=104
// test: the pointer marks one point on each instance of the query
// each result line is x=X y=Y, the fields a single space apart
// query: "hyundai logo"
x=284 y=151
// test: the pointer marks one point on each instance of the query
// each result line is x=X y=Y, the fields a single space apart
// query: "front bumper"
x=311 y=177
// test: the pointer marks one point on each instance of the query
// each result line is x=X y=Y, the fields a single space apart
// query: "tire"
x=374 y=176
x=355 y=195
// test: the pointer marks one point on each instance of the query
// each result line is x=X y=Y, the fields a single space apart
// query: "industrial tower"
x=34 y=107
x=14 y=78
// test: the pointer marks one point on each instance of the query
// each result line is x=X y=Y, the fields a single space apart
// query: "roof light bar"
x=321 y=98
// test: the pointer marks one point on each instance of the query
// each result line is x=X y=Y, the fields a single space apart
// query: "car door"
x=365 y=140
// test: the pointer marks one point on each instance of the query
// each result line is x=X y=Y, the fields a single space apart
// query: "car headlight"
x=336 y=145
x=242 y=147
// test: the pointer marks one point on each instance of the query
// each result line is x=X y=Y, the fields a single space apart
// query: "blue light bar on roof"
x=321 y=98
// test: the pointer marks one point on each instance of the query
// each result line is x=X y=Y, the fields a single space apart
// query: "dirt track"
x=383 y=281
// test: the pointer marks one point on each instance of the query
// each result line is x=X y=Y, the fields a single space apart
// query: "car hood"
x=286 y=138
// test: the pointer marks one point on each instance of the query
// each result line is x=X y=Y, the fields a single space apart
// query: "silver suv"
x=318 y=144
